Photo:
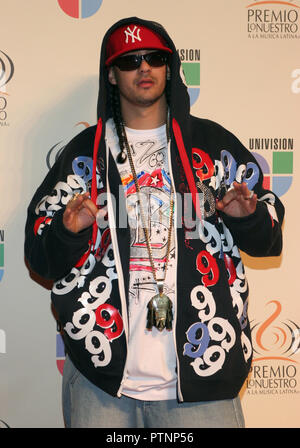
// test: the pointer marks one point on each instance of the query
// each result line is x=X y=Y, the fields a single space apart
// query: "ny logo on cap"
x=134 y=34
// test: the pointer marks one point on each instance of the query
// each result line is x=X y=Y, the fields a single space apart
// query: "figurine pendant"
x=160 y=313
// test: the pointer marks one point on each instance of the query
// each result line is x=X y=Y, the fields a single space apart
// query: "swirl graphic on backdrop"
x=6 y=70
x=273 y=3
x=55 y=150
x=275 y=339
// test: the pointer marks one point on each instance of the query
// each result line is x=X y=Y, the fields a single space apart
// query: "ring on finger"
x=74 y=197
x=250 y=196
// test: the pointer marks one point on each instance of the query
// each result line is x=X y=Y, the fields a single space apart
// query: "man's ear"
x=112 y=76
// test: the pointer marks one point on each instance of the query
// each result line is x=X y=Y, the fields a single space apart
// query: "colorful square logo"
x=191 y=72
x=279 y=176
x=283 y=162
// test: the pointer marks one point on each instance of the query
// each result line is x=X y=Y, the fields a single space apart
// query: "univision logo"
x=80 y=9
x=278 y=175
x=190 y=62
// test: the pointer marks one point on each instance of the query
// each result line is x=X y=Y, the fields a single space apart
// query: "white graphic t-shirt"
x=150 y=368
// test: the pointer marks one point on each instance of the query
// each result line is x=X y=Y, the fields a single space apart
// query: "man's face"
x=140 y=87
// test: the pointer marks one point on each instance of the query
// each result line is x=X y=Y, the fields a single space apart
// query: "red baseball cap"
x=133 y=37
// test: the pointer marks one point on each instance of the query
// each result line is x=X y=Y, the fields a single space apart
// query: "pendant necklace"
x=159 y=313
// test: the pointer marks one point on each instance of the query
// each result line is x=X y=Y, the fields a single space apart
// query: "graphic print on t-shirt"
x=151 y=163
x=151 y=360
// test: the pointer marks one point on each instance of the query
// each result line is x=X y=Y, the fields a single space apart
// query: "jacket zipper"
x=120 y=274
x=119 y=268
x=179 y=393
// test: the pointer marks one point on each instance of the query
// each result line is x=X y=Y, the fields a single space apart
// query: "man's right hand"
x=80 y=213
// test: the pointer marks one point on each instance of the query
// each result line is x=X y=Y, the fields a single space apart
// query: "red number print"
x=114 y=320
x=207 y=265
x=203 y=164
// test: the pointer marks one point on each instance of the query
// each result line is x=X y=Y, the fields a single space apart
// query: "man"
x=139 y=223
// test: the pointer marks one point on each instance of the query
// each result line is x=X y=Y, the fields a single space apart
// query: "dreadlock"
x=117 y=116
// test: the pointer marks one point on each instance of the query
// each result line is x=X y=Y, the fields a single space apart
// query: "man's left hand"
x=238 y=202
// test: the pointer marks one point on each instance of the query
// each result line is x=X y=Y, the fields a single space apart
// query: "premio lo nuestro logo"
x=276 y=345
x=190 y=62
x=80 y=9
x=278 y=173
x=273 y=20
x=275 y=338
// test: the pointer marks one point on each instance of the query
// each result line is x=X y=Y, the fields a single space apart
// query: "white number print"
x=214 y=329
x=84 y=320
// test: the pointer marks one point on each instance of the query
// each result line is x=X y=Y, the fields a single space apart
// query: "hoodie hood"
x=179 y=111
x=177 y=82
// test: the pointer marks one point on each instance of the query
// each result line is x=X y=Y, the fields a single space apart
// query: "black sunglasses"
x=133 y=61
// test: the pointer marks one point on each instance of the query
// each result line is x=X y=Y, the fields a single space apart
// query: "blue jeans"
x=87 y=406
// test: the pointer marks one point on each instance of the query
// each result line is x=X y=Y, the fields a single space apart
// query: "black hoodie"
x=91 y=269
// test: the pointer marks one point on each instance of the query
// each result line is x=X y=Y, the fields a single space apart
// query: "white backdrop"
x=247 y=79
